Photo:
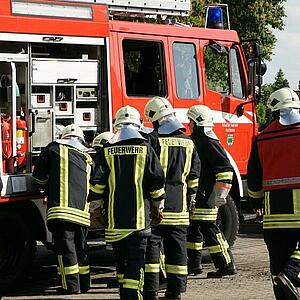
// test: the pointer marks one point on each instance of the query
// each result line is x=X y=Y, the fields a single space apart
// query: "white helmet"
x=157 y=108
x=127 y=115
x=283 y=98
x=201 y=115
x=102 y=139
x=72 y=130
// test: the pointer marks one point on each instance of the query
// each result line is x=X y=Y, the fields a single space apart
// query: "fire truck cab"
x=64 y=62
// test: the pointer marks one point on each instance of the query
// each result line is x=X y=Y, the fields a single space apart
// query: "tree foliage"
x=253 y=19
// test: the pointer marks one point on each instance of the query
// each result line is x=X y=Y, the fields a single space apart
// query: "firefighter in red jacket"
x=131 y=180
x=274 y=174
x=214 y=186
x=181 y=166
x=64 y=169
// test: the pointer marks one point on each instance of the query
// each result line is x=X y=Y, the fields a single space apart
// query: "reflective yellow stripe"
x=205 y=214
x=62 y=272
x=175 y=269
x=175 y=218
x=152 y=268
x=193 y=183
x=194 y=246
x=138 y=179
x=296 y=201
x=131 y=284
x=164 y=157
x=112 y=186
x=185 y=173
x=84 y=270
x=296 y=255
x=256 y=195
x=64 y=181
x=162 y=264
x=120 y=278
x=114 y=235
x=224 y=176
x=69 y=214
x=97 y=188
x=267 y=203
x=157 y=193
x=224 y=246
x=281 y=217
x=277 y=225
x=71 y=270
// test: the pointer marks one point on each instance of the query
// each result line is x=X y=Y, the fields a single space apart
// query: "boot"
x=150 y=295
x=228 y=271
x=173 y=295
x=287 y=287
x=195 y=270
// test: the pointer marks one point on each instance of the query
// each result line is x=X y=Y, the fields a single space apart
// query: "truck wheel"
x=228 y=220
x=17 y=249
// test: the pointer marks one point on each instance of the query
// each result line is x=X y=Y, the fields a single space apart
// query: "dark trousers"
x=72 y=252
x=130 y=258
x=174 y=243
x=284 y=253
x=215 y=242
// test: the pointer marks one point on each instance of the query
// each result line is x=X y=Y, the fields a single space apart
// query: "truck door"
x=225 y=88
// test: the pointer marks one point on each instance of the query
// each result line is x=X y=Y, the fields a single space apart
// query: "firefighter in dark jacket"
x=274 y=174
x=64 y=169
x=215 y=183
x=132 y=183
x=181 y=166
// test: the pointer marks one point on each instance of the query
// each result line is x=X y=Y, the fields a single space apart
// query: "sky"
x=287 y=51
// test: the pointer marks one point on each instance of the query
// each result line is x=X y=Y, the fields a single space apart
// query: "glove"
x=192 y=205
x=220 y=192
x=156 y=215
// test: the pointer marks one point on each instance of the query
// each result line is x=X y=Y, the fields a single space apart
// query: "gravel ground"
x=251 y=282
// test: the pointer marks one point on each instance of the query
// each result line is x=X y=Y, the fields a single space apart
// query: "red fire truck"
x=70 y=61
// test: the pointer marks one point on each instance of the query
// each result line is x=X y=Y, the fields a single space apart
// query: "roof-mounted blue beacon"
x=215 y=16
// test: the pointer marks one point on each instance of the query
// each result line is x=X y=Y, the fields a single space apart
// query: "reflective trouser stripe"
x=221 y=248
x=152 y=268
x=84 y=270
x=194 y=246
x=162 y=263
x=173 y=269
x=62 y=271
x=120 y=278
x=296 y=255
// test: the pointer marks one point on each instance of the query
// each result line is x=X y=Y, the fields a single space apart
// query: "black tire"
x=17 y=249
x=228 y=220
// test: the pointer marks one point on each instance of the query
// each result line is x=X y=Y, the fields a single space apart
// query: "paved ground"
x=252 y=281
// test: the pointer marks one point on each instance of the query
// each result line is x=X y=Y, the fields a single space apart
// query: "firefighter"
x=215 y=183
x=273 y=174
x=181 y=166
x=101 y=139
x=131 y=181
x=64 y=169
x=97 y=205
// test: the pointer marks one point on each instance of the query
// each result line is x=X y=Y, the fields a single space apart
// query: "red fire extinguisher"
x=21 y=141
x=6 y=142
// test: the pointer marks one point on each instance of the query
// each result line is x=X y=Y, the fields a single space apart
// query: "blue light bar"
x=215 y=18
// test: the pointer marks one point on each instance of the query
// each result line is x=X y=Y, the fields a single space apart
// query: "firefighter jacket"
x=181 y=166
x=65 y=172
x=129 y=174
x=215 y=168
x=274 y=173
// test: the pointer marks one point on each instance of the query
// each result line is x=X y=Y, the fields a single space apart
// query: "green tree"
x=253 y=19
x=280 y=81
